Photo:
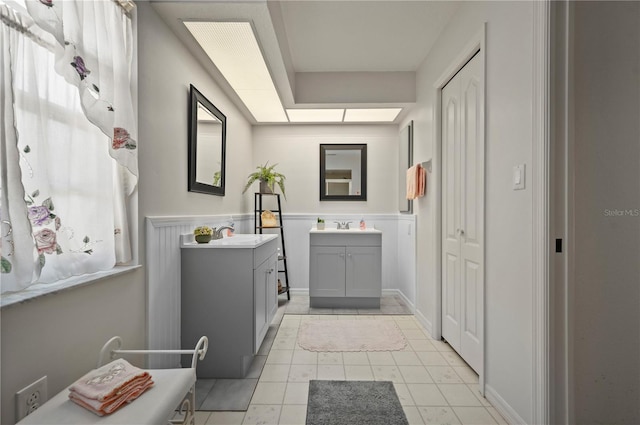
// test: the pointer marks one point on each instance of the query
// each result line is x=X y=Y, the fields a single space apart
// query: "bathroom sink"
x=235 y=241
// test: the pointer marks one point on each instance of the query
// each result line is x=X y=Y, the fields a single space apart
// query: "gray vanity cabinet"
x=345 y=268
x=265 y=295
x=230 y=294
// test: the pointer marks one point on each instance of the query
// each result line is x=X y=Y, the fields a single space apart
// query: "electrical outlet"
x=30 y=398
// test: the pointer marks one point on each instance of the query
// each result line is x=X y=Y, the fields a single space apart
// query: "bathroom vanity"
x=230 y=294
x=345 y=268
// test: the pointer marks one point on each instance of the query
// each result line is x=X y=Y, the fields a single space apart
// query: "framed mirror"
x=405 y=156
x=207 y=145
x=343 y=172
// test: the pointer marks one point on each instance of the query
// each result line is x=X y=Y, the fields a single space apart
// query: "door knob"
x=460 y=232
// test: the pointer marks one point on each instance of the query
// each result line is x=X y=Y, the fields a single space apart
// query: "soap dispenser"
x=362 y=224
x=232 y=225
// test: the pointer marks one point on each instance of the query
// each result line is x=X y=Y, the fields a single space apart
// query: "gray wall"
x=606 y=169
x=60 y=335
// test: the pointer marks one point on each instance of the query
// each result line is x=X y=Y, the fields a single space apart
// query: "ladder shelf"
x=258 y=210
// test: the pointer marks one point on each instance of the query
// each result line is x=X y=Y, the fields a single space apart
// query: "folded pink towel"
x=411 y=181
x=421 y=182
x=416 y=181
x=112 y=404
x=105 y=389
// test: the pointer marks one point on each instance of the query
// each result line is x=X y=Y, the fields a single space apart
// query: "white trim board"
x=540 y=179
x=476 y=45
x=507 y=412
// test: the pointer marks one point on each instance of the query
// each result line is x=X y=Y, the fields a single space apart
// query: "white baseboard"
x=401 y=294
x=299 y=291
x=426 y=323
x=502 y=406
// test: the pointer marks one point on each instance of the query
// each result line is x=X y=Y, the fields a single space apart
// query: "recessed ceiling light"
x=233 y=48
x=371 y=115
x=315 y=115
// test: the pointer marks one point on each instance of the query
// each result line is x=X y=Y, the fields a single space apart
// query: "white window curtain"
x=64 y=196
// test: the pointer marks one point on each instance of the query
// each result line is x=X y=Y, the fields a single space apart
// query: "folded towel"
x=105 y=389
x=421 y=181
x=416 y=181
x=112 y=404
x=411 y=181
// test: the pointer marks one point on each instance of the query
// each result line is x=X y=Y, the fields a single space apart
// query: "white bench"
x=174 y=389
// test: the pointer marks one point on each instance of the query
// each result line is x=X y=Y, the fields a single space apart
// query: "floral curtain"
x=64 y=198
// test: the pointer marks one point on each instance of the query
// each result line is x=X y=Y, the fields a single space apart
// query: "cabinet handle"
x=270 y=271
x=349 y=255
x=341 y=255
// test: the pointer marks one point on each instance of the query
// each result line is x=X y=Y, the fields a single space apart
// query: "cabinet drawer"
x=332 y=239
x=263 y=252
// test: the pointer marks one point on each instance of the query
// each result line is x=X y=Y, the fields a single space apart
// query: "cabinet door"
x=260 y=277
x=327 y=271
x=363 y=271
x=272 y=288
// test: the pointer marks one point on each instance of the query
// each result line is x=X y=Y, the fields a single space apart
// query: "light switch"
x=518 y=177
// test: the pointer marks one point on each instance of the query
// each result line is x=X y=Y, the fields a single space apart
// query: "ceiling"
x=327 y=54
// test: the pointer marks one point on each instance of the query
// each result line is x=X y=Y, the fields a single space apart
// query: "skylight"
x=233 y=48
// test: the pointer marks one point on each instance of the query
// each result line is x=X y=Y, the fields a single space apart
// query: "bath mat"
x=354 y=403
x=350 y=335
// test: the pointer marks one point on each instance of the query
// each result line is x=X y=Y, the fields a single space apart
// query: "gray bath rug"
x=354 y=403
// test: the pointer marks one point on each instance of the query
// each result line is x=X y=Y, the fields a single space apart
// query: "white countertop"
x=235 y=241
x=357 y=231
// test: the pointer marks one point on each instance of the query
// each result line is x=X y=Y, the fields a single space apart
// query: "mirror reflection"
x=209 y=158
x=207 y=143
x=343 y=172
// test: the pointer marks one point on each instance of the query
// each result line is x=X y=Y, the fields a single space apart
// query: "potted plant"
x=320 y=224
x=268 y=179
x=203 y=234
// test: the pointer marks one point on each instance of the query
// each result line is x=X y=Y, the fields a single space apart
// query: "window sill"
x=44 y=289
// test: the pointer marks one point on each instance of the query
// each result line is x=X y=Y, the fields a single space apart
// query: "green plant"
x=266 y=174
x=320 y=220
x=203 y=230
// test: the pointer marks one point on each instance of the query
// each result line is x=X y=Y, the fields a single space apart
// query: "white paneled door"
x=463 y=212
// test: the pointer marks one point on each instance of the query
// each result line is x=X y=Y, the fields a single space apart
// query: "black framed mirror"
x=405 y=157
x=343 y=172
x=207 y=145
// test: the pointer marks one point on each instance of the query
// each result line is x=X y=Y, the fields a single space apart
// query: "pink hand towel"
x=422 y=181
x=109 y=406
x=411 y=182
x=105 y=382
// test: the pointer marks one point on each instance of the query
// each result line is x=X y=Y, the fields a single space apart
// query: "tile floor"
x=434 y=384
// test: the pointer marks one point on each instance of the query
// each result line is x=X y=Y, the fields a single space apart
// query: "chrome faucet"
x=343 y=226
x=217 y=232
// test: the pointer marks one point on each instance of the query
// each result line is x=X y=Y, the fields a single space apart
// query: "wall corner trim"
x=541 y=201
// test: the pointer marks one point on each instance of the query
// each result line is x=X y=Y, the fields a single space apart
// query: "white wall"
x=296 y=150
x=508 y=271
x=606 y=172
x=165 y=72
